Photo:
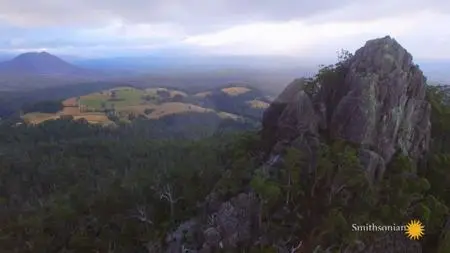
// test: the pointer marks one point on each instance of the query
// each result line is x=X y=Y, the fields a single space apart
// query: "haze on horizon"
x=308 y=29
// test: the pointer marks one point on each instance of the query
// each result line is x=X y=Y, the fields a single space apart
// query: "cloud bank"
x=252 y=27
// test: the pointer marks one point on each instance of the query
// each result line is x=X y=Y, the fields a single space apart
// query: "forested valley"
x=75 y=187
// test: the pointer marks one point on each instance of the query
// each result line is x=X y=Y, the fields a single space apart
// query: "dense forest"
x=50 y=106
x=68 y=186
x=74 y=187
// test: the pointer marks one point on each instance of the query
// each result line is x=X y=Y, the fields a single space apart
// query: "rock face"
x=377 y=103
x=384 y=105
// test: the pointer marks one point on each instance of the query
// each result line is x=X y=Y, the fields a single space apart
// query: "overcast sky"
x=297 y=28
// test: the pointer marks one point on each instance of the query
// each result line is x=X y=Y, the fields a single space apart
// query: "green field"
x=123 y=97
x=125 y=102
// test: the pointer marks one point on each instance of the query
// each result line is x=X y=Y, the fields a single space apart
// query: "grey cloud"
x=163 y=10
x=369 y=10
x=198 y=15
x=204 y=12
x=19 y=42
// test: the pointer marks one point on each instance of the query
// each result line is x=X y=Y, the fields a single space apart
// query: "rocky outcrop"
x=376 y=101
x=223 y=227
x=384 y=104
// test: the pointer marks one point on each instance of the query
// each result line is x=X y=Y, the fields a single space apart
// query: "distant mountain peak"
x=44 y=53
x=36 y=55
x=40 y=63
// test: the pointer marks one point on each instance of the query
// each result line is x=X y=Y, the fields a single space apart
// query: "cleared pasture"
x=234 y=91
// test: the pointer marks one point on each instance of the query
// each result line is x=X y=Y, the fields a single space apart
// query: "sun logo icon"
x=414 y=230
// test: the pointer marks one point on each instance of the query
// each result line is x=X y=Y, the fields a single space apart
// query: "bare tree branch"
x=142 y=215
x=294 y=249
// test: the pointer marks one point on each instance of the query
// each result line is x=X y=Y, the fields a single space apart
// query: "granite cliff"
x=376 y=100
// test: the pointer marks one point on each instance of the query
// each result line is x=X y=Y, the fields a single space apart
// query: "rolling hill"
x=126 y=103
x=242 y=100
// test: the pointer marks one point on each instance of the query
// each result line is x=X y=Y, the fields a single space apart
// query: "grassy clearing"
x=134 y=109
x=177 y=108
x=70 y=111
x=165 y=109
x=70 y=102
x=124 y=97
x=226 y=115
x=94 y=100
x=94 y=118
x=37 y=117
x=117 y=97
x=174 y=108
x=234 y=91
x=162 y=110
x=257 y=104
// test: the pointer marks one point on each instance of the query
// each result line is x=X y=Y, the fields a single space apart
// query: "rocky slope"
x=376 y=101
